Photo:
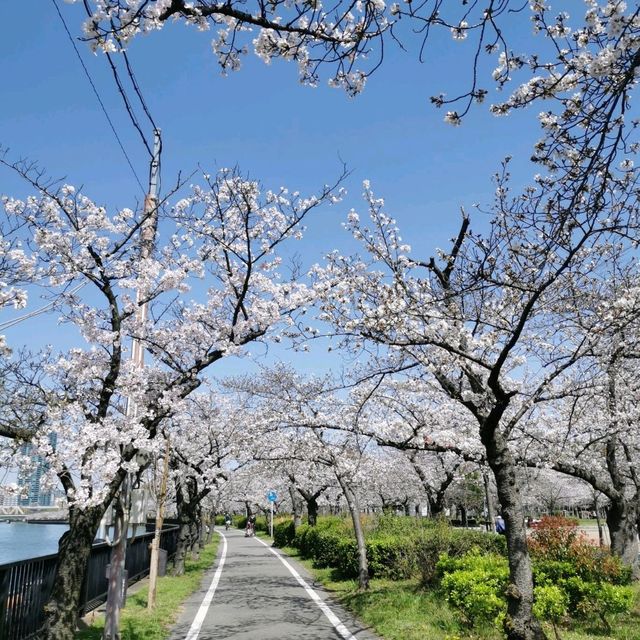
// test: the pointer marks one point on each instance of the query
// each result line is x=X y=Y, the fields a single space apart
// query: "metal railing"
x=25 y=586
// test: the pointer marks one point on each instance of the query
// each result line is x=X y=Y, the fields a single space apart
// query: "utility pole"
x=117 y=573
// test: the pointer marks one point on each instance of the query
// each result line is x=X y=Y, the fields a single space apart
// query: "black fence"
x=25 y=586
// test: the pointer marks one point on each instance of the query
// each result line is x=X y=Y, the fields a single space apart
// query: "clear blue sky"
x=259 y=118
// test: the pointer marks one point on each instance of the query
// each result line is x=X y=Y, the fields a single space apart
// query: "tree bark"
x=296 y=506
x=491 y=513
x=186 y=520
x=312 y=511
x=436 y=504
x=520 y=623
x=74 y=549
x=622 y=522
x=354 y=510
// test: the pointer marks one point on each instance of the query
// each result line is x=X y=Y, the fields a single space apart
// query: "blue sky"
x=261 y=119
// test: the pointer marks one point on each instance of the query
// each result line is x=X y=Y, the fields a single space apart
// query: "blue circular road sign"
x=272 y=496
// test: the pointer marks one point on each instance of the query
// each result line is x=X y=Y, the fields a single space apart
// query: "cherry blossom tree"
x=389 y=482
x=208 y=438
x=469 y=321
x=219 y=244
x=596 y=49
x=596 y=441
x=307 y=422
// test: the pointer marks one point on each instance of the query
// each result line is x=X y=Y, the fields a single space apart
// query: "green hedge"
x=283 y=533
x=455 y=543
x=397 y=548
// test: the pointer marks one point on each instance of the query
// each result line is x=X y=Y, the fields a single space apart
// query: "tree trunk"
x=296 y=506
x=520 y=623
x=354 y=509
x=186 y=520
x=184 y=539
x=463 y=515
x=621 y=520
x=74 y=549
x=436 y=504
x=491 y=514
x=312 y=511
x=196 y=530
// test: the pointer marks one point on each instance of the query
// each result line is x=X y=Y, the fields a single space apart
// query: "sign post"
x=272 y=496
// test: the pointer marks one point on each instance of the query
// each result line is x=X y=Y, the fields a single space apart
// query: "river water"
x=20 y=540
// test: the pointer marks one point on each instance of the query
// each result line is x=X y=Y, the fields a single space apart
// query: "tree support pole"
x=155 y=545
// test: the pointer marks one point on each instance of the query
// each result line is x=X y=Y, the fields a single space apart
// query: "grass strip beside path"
x=139 y=624
x=401 y=610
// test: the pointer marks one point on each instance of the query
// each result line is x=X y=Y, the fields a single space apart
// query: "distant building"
x=35 y=496
x=8 y=499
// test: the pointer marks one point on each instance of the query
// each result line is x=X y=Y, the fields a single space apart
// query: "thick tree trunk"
x=436 y=504
x=621 y=520
x=312 y=511
x=296 y=506
x=184 y=541
x=520 y=623
x=354 y=510
x=74 y=550
x=186 y=521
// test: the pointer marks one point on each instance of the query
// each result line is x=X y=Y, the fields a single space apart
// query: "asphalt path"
x=251 y=594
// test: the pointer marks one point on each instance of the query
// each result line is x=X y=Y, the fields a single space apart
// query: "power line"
x=95 y=91
x=127 y=104
x=136 y=87
x=36 y=312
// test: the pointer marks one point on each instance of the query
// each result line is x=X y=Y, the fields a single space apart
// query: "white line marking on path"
x=196 y=625
x=324 y=607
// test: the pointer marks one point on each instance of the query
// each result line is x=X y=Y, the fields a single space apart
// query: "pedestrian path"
x=251 y=594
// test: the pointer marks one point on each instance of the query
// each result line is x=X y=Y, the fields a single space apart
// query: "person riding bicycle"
x=227 y=520
x=251 y=526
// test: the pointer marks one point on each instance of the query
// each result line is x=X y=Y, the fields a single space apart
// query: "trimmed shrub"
x=283 y=533
x=551 y=603
x=560 y=550
x=441 y=538
x=475 y=584
x=414 y=548
x=393 y=557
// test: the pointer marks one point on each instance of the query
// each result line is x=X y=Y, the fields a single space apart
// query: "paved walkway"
x=250 y=594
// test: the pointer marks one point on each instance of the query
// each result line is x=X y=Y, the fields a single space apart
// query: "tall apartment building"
x=35 y=497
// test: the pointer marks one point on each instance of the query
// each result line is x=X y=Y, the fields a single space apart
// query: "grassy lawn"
x=139 y=624
x=400 y=610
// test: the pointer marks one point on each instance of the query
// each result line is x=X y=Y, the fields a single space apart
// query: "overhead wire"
x=36 y=312
x=127 y=104
x=14 y=321
x=97 y=94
